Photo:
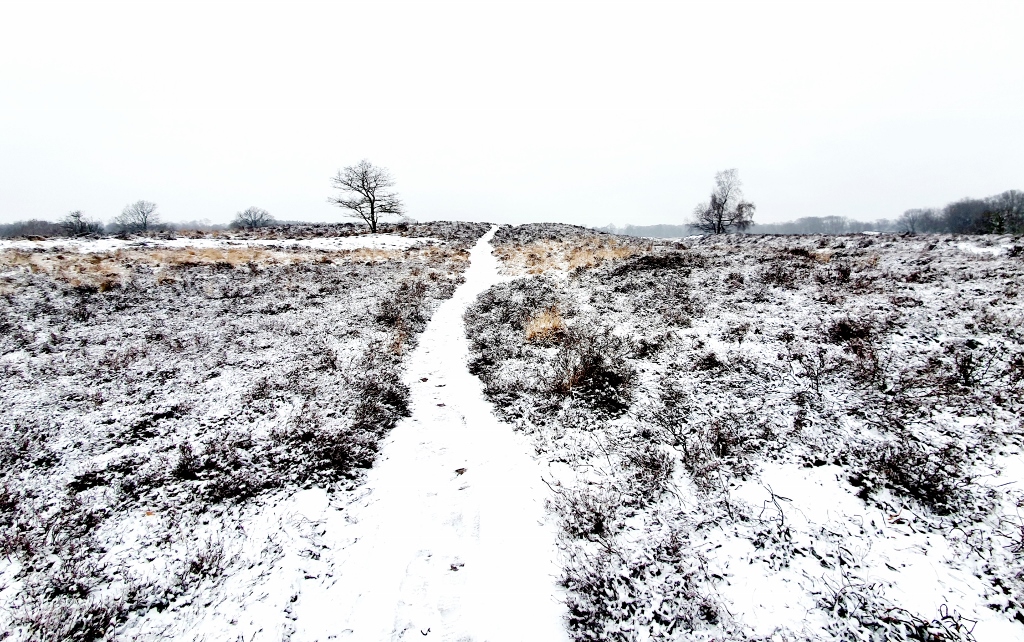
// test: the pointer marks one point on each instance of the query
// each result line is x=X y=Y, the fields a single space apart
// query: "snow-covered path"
x=450 y=540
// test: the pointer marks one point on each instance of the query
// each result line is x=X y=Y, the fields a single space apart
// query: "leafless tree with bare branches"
x=726 y=210
x=140 y=216
x=917 y=220
x=75 y=224
x=365 y=192
x=252 y=218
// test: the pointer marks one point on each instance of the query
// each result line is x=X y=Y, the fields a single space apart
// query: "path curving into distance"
x=432 y=553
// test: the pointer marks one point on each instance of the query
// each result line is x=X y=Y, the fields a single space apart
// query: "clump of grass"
x=545 y=326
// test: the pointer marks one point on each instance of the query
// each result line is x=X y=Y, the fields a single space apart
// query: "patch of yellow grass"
x=544 y=325
x=235 y=256
x=568 y=254
x=101 y=271
x=104 y=270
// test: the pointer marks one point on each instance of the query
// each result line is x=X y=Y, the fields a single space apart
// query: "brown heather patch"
x=544 y=325
x=104 y=270
x=568 y=254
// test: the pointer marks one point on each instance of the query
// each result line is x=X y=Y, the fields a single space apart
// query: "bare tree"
x=75 y=224
x=252 y=218
x=364 y=191
x=911 y=220
x=726 y=210
x=140 y=216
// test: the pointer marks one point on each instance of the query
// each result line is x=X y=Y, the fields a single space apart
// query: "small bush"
x=70 y=620
x=591 y=363
x=586 y=513
x=649 y=469
x=859 y=611
x=778 y=274
x=938 y=478
x=207 y=561
x=668 y=261
x=189 y=464
x=650 y=594
x=848 y=331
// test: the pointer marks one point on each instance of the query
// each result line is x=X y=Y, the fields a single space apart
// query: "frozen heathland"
x=461 y=432
x=770 y=437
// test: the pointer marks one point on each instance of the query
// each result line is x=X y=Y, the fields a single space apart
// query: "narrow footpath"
x=451 y=540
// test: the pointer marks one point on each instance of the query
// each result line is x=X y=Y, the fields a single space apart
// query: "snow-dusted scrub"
x=153 y=396
x=533 y=249
x=786 y=437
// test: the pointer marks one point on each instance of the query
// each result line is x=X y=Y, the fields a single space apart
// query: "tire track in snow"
x=450 y=539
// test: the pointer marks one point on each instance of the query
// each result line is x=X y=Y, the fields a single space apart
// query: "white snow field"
x=450 y=540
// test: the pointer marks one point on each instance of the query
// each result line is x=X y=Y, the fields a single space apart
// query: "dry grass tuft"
x=545 y=325
x=822 y=256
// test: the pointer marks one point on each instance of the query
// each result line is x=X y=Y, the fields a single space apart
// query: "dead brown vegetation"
x=566 y=254
x=545 y=325
x=105 y=270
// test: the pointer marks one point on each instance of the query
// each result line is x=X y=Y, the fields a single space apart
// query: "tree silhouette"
x=726 y=210
x=364 y=192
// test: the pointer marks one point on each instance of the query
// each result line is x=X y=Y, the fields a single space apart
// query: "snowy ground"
x=162 y=406
x=287 y=434
x=788 y=437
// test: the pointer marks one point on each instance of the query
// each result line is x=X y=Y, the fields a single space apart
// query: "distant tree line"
x=999 y=214
x=824 y=225
x=139 y=217
x=806 y=225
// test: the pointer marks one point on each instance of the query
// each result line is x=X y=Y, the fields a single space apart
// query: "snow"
x=330 y=244
x=918 y=568
x=436 y=552
x=448 y=537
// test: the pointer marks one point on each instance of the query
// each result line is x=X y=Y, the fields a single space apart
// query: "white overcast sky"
x=582 y=112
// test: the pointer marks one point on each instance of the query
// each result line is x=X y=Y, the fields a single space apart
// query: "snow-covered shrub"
x=648 y=592
x=888 y=367
x=936 y=477
x=648 y=467
x=778 y=273
x=591 y=363
x=860 y=613
x=70 y=620
x=587 y=513
x=207 y=561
